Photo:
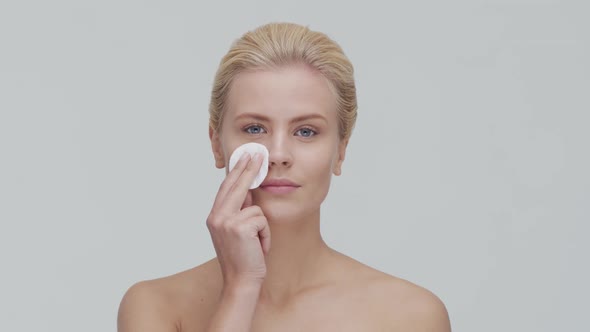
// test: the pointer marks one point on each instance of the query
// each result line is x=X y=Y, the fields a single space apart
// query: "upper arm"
x=143 y=309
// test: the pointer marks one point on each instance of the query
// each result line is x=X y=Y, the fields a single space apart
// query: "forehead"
x=280 y=94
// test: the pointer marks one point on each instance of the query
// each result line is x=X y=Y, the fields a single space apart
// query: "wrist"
x=242 y=288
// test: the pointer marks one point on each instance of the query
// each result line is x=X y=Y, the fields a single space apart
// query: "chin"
x=285 y=211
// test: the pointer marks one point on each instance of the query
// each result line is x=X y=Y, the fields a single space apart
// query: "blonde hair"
x=276 y=45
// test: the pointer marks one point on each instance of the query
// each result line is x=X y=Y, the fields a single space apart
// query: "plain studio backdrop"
x=467 y=172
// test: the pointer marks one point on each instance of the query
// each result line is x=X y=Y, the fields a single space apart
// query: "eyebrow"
x=300 y=118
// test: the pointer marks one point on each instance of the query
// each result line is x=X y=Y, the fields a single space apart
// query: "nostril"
x=274 y=163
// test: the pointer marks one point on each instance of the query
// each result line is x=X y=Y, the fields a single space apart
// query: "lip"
x=279 y=186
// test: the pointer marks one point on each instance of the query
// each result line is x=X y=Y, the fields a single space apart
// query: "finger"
x=259 y=226
x=264 y=234
x=237 y=194
x=251 y=212
x=231 y=178
x=248 y=201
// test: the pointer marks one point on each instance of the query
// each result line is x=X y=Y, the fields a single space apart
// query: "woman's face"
x=291 y=111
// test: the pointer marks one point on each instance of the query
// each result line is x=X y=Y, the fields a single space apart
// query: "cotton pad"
x=251 y=148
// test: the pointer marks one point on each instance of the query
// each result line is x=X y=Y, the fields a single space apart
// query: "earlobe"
x=216 y=148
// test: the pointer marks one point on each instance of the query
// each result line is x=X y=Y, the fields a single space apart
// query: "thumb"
x=248 y=200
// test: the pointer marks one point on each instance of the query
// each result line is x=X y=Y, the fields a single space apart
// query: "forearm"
x=236 y=309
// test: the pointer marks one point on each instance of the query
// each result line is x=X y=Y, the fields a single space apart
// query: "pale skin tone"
x=273 y=270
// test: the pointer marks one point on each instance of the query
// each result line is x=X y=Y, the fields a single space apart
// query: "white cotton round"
x=251 y=148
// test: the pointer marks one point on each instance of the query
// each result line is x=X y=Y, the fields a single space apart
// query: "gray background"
x=466 y=173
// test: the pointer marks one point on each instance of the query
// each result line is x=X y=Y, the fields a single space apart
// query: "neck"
x=295 y=259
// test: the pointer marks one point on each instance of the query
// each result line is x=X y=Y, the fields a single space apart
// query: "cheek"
x=318 y=163
x=228 y=145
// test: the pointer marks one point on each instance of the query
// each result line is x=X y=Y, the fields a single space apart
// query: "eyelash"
x=247 y=128
x=252 y=126
x=314 y=132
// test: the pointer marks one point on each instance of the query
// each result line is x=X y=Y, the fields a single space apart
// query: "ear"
x=337 y=169
x=216 y=148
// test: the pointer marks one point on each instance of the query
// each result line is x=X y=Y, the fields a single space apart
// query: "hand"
x=239 y=230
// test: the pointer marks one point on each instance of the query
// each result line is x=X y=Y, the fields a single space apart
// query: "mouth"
x=279 y=186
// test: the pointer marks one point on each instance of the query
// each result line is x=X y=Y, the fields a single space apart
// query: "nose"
x=279 y=152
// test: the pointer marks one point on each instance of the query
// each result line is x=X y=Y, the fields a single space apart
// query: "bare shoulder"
x=163 y=304
x=144 y=307
x=412 y=307
x=400 y=304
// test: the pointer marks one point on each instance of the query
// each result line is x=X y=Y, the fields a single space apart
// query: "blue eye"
x=254 y=130
x=306 y=132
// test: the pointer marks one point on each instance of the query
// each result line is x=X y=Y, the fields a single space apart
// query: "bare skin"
x=354 y=297
x=273 y=270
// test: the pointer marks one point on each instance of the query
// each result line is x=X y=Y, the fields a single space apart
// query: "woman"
x=292 y=90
